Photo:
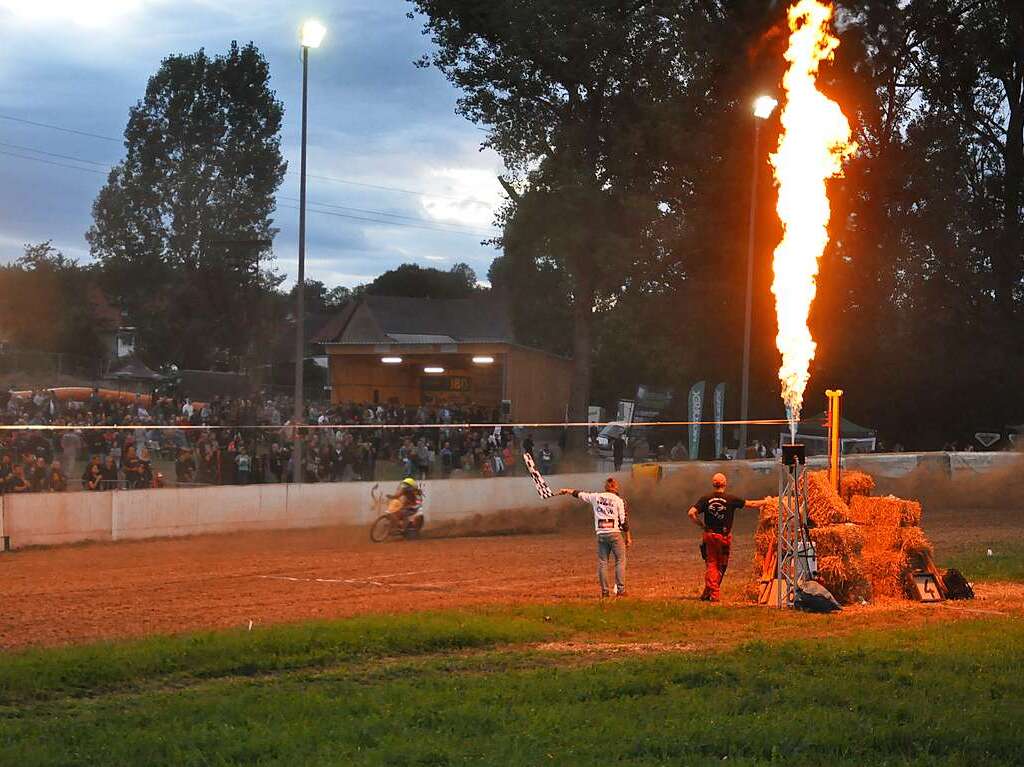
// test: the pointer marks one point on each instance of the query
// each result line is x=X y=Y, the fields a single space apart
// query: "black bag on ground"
x=957 y=586
x=812 y=597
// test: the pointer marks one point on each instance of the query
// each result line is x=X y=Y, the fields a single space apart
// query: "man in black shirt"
x=718 y=510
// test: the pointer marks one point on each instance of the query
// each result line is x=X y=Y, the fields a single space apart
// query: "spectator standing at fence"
x=277 y=462
x=185 y=467
x=5 y=468
x=16 y=482
x=109 y=473
x=94 y=463
x=37 y=475
x=56 y=482
x=71 y=446
x=244 y=462
x=131 y=467
x=546 y=459
x=93 y=479
x=618 y=451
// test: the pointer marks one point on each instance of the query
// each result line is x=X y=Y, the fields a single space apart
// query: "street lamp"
x=764 y=106
x=312 y=35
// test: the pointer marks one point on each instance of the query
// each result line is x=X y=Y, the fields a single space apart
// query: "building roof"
x=484 y=318
x=131 y=368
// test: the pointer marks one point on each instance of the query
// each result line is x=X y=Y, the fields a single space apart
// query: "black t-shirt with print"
x=718 y=510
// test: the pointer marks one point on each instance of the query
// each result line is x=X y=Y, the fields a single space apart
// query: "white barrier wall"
x=55 y=518
x=46 y=520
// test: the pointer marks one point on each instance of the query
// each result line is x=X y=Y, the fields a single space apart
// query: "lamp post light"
x=312 y=35
x=764 y=106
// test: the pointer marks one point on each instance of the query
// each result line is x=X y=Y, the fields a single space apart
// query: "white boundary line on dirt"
x=372 y=580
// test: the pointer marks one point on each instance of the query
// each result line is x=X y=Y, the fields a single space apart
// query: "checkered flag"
x=543 y=489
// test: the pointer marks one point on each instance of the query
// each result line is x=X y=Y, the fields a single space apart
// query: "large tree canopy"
x=626 y=130
x=581 y=100
x=184 y=221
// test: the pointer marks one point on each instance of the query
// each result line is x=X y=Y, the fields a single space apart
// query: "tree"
x=46 y=304
x=321 y=300
x=184 y=221
x=413 y=281
x=971 y=74
x=572 y=95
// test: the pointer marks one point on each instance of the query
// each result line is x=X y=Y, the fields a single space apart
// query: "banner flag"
x=719 y=417
x=696 y=407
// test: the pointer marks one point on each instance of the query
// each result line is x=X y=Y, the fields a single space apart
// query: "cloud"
x=373 y=119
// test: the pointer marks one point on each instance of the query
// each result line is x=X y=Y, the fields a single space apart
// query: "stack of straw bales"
x=894 y=545
x=866 y=548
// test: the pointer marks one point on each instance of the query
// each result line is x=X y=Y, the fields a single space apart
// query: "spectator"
x=37 y=477
x=185 y=467
x=93 y=479
x=447 y=460
x=16 y=482
x=679 y=452
x=71 y=446
x=244 y=463
x=528 y=445
x=110 y=474
x=546 y=459
x=131 y=467
x=92 y=469
x=56 y=482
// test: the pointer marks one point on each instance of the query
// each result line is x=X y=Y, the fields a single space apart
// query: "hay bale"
x=824 y=506
x=911 y=514
x=769 y=516
x=845 y=540
x=764 y=542
x=853 y=483
x=887 y=572
x=844 y=577
x=887 y=511
x=881 y=537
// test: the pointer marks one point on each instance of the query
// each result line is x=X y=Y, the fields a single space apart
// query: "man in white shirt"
x=611 y=524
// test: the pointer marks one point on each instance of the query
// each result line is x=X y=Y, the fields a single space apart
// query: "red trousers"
x=716 y=561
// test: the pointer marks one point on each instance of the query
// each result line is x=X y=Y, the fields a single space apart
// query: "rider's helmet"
x=410 y=482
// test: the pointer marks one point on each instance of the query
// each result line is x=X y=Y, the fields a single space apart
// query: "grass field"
x=1005 y=564
x=579 y=683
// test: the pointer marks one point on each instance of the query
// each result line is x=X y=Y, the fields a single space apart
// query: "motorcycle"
x=393 y=525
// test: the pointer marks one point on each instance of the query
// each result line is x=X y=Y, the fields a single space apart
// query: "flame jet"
x=815 y=141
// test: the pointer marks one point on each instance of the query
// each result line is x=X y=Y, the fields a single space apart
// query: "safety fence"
x=58 y=518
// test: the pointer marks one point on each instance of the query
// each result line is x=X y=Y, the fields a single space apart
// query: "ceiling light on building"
x=484 y=360
x=391 y=360
x=433 y=370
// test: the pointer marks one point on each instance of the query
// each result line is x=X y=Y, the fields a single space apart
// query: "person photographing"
x=714 y=514
x=611 y=524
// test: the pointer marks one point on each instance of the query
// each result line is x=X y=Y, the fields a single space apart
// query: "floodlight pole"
x=300 y=309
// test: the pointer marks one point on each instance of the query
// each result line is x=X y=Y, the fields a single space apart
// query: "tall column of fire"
x=814 y=143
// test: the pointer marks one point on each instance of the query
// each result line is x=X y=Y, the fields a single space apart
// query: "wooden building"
x=414 y=351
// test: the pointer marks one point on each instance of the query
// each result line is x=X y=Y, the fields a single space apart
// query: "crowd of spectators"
x=125 y=443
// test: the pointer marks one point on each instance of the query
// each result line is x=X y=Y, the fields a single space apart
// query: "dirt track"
x=81 y=593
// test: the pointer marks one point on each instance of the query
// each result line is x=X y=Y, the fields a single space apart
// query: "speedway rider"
x=406 y=505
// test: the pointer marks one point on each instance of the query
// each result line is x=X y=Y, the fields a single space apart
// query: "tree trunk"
x=582 y=352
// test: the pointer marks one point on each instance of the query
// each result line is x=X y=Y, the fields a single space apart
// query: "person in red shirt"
x=718 y=510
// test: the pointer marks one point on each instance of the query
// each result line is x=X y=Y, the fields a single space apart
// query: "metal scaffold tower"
x=795 y=560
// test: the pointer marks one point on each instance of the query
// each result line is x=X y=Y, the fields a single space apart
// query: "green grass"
x=1005 y=564
x=390 y=691
x=85 y=670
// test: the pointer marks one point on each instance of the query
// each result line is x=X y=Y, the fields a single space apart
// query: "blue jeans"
x=611 y=543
